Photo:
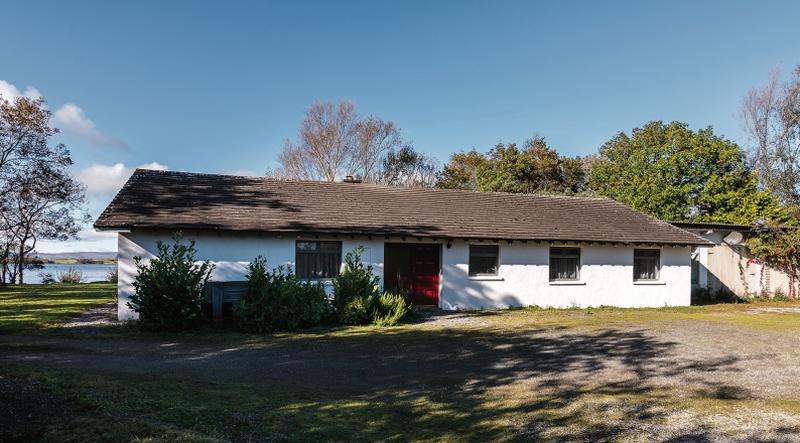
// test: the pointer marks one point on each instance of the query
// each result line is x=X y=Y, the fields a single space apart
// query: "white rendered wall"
x=523 y=280
x=606 y=278
x=229 y=252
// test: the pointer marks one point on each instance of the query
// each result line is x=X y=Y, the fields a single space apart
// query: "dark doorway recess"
x=414 y=268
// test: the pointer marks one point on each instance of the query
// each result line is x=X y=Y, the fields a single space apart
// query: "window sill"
x=650 y=283
x=486 y=278
x=567 y=283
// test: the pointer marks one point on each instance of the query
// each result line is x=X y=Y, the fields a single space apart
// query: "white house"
x=451 y=249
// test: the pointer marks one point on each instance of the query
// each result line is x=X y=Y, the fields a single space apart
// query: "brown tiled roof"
x=713 y=225
x=180 y=200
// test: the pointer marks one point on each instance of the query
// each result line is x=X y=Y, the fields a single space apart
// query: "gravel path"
x=93 y=319
x=704 y=354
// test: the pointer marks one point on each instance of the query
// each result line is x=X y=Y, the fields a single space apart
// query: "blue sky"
x=218 y=86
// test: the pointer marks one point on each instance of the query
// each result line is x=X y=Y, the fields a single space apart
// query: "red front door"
x=413 y=268
x=425 y=274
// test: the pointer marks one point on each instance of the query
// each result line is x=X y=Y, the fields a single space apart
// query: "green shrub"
x=168 y=291
x=70 y=275
x=112 y=276
x=389 y=309
x=357 y=297
x=779 y=296
x=354 y=290
x=279 y=301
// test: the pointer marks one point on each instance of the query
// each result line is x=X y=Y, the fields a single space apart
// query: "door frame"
x=412 y=247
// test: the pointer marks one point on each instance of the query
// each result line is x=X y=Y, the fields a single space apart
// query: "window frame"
x=657 y=251
x=496 y=273
x=298 y=254
x=551 y=257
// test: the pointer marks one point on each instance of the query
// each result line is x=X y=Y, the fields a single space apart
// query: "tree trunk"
x=21 y=259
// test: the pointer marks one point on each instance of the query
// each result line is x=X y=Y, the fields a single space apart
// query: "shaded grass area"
x=431 y=385
x=113 y=407
x=604 y=374
x=29 y=308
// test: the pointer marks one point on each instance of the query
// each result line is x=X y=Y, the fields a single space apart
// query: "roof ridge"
x=377 y=185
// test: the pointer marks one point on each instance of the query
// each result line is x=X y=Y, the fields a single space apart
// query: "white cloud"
x=70 y=117
x=108 y=179
x=90 y=235
x=10 y=92
x=156 y=166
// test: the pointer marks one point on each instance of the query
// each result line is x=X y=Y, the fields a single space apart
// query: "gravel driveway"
x=670 y=364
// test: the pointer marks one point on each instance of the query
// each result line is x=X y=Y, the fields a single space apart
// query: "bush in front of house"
x=168 y=290
x=278 y=301
x=354 y=290
x=357 y=297
x=389 y=308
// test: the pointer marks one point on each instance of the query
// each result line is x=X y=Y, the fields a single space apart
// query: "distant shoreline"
x=78 y=262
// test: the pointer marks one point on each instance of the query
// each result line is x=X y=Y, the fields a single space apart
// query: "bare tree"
x=771 y=117
x=326 y=145
x=38 y=196
x=375 y=138
x=334 y=141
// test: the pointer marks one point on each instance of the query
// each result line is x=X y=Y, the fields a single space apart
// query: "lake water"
x=90 y=273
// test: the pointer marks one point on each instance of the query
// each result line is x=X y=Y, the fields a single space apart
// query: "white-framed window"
x=565 y=264
x=317 y=259
x=484 y=260
x=646 y=264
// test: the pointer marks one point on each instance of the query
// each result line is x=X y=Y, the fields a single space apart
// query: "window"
x=565 y=264
x=695 y=271
x=318 y=259
x=483 y=260
x=646 y=264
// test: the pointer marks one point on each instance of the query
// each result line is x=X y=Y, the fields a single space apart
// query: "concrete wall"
x=229 y=251
x=726 y=268
x=606 y=278
x=523 y=279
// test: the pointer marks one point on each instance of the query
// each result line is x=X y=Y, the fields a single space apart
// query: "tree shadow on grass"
x=418 y=383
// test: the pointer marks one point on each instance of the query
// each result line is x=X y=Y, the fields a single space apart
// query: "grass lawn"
x=717 y=372
x=28 y=308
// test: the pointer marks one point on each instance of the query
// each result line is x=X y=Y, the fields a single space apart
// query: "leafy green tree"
x=461 y=172
x=535 y=167
x=674 y=173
